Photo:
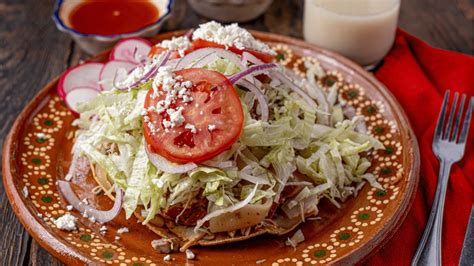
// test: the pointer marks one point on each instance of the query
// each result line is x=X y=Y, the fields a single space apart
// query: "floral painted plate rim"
x=69 y=254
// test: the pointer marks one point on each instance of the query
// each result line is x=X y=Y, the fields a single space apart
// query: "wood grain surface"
x=32 y=52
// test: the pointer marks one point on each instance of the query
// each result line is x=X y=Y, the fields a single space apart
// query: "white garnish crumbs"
x=176 y=116
x=117 y=237
x=230 y=35
x=144 y=213
x=211 y=127
x=40 y=135
x=122 y=230
x=69 y=207
x=191 y=127
x=151 y=127
x=85 y=215
x=92 y=219
x=167 y=258
x=174 y=88
x=260 y=261
x=188 y=84
x=40 y=215
x=137 y=74
x=180 y=44
x=68 y=177
x=25 y=192
x=297 y=238
x=159 y=184
x=201 y=113
x=103 y=230
x=190 y=255
x=85 y=201
x=66 y=222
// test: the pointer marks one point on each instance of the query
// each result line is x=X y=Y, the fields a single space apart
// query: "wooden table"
x=32 y=52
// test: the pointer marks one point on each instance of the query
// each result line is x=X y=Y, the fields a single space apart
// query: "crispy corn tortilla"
x=169 y=229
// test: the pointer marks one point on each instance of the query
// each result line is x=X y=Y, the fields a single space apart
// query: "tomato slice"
x=215 y=111
x=198 y=44
x=157 y=50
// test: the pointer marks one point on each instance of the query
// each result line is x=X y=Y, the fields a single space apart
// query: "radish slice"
x=79 y=95
x=108 y=72
x=85 y=75
x=86 y=210
x=131 y=50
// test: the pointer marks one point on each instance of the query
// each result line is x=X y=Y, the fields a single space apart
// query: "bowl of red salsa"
x=97 y=24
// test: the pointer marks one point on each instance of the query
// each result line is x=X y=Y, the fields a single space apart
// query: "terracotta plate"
x=346 y=235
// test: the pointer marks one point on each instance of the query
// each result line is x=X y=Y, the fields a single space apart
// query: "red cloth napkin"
x=418 y=75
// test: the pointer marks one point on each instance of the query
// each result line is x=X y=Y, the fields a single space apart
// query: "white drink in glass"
x=362 y=30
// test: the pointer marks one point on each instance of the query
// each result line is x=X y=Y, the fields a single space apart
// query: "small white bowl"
x=94 y=43
x=230 y=10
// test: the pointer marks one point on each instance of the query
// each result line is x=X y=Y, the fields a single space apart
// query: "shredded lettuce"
x=223 y=66
x=134 y=182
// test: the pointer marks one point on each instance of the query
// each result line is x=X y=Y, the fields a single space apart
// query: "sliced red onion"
x=154 y=70
x=200 y=53
x=224 y=164
x=111 y=72
x=149 y=74
x=206 y=60
x=79 y=167
x=349 y=111
x=172 y=63
x=292 y=75
x=99 y=216
x=249 y=100
x=189 y=33
x=166 y=166
x=248 y=57
x=262 y=102
x=280 y=76
x=165 y=59
x=253 y=70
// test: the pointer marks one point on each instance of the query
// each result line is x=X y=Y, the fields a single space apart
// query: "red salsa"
x=108 y=17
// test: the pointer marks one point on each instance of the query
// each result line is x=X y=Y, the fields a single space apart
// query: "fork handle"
x=429 y=249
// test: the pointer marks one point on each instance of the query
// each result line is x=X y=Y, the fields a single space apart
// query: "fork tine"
x=447 y=131
x=458 y=119
x=440 y=124
x=467 y=122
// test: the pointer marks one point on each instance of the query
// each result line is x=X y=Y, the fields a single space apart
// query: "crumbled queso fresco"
x=122 y=230
x=127 y=80
x=174 y=88
x=180 y=44
x=231 y=35
x=66 y=222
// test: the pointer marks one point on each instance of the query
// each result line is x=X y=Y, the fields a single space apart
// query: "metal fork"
x=449 y=148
